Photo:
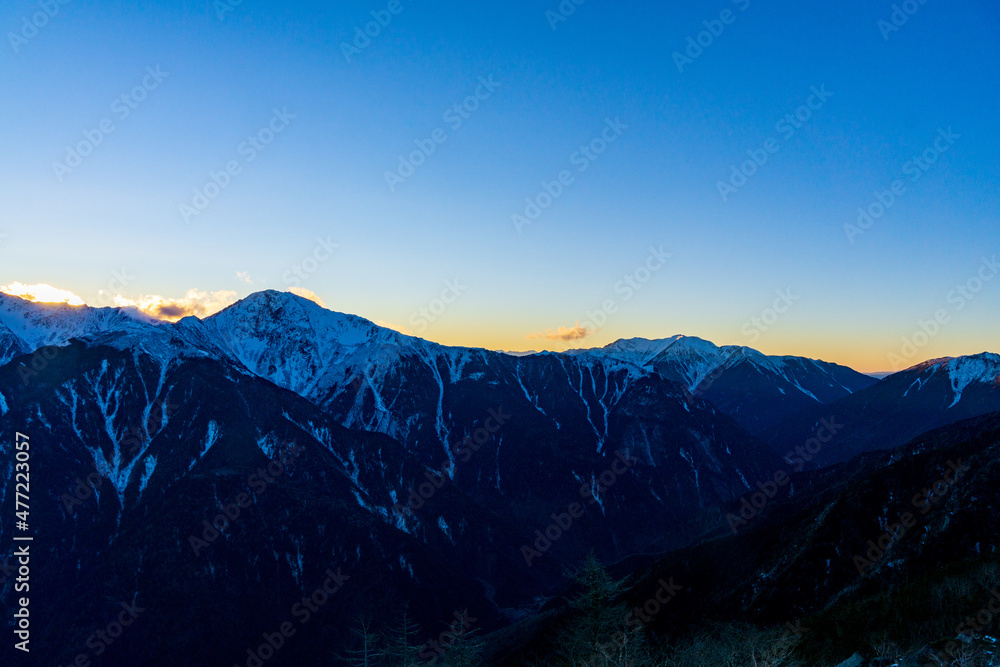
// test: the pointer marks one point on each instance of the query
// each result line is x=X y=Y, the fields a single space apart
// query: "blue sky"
x=656 y=185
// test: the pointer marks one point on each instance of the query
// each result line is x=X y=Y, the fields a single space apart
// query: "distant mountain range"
x=899 y=408
x=757 y=390
x=439 y=477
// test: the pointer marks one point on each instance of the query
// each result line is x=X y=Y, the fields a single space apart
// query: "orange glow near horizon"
x=875 y=353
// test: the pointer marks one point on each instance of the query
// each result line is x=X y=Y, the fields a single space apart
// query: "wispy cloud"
x=577 y=332
x=195 y=302
x=42 y=293
x=401 y=329
x=307 y=294
x=244 y=276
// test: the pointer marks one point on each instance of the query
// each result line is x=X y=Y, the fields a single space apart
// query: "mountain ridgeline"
x=216 y=473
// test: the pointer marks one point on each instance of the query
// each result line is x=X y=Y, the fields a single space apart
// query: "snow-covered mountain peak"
x=983 y=367
x=980 y=368
x=35 y=325
x=959 y=373
x=639 y=351
x=283 y=309
x=646 y=352
x=930 y=363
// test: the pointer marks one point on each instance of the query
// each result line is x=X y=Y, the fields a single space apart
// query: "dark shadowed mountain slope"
x=755 y=389
x=889 y=547
x=566 y=419
x=899 y=407
x=133 y=450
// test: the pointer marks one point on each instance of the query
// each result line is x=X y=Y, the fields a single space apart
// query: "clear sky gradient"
x=853 y=296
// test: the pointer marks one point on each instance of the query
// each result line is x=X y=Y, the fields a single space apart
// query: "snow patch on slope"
x=963 y=371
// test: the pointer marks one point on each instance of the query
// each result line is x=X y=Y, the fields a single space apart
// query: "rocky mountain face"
x=895 y=551
x=898 y=408
x=433 y=477
x=215 y=474
x=177 y=484
x=755 y=389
